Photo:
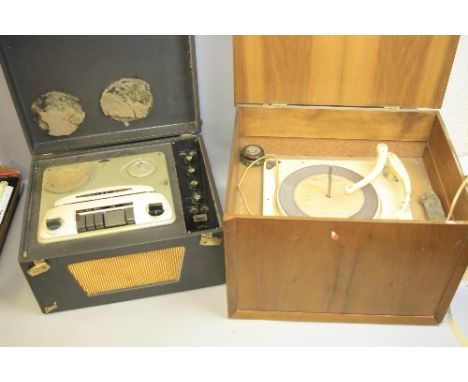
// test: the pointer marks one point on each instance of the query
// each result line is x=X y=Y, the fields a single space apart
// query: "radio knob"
x=155 y=209
x=204 y=209
x=188 y=158
x=53 y=224
x=193 y=183
x=191 y=170
x=193 y=210
x=196 y=197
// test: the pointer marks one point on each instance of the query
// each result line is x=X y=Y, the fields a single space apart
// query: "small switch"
x=99 y=220
x=129 y=215
x=53 y=224
x=200 y=218
x=80 y=223
x=89 y=219
x=155 y=209
x=114 y=218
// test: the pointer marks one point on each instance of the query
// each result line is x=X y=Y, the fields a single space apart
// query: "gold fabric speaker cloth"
x=129 y=271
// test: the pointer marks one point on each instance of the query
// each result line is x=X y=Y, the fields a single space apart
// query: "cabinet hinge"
x=275 y=104
x=209 y=240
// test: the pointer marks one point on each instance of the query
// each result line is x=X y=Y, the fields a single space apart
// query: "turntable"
x=358 y=212
x=337 y=188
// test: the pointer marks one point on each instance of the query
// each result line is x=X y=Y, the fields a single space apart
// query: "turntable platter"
x=319 y=191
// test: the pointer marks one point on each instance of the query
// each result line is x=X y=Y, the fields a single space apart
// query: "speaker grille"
x=129 y=271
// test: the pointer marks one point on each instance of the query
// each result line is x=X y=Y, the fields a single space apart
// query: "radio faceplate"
x=110 y=195
x=105 y=214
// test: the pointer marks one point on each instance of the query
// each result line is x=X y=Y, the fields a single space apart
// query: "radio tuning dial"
x=196 y=197
x=191 y=170
x=141 y=168
x=193 y=210
x=204 y=209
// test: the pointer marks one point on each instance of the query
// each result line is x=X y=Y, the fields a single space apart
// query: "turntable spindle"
x=330 y=171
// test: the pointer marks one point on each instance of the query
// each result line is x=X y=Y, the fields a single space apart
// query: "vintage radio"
x=121 y=202
x=345 y=199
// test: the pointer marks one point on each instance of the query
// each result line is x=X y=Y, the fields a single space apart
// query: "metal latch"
x=208 y=240
x=187 y=135
x=39 y=267
x=51 y=308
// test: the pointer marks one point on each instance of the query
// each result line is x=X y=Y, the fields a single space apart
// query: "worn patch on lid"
x=127 y=99
x=58 y=113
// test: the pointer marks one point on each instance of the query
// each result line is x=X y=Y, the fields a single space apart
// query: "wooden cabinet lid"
x=371 y=71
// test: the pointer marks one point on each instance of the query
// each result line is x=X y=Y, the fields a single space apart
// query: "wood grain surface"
x=378 y=271
x=234 y=163
x=375 y=268
x=448 y=168
x=386 y=271
x=336 y=123
x=330 y=147
x=334 y=317
x=410 y=71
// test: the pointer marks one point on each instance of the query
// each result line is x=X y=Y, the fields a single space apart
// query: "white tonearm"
x=383 y=155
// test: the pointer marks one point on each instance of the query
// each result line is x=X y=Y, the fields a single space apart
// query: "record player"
x=344 y=188
x=121 y=203
x=345 y=199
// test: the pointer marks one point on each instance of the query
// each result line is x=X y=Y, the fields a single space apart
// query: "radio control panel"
x=197 y=202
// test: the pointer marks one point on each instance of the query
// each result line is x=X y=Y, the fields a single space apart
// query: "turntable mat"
x=296 y=190
x=310 y=195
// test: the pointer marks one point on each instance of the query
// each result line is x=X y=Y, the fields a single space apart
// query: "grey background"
x=196 y=317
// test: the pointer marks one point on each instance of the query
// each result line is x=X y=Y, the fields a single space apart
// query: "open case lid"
x=367 y=71
x=84 y=66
